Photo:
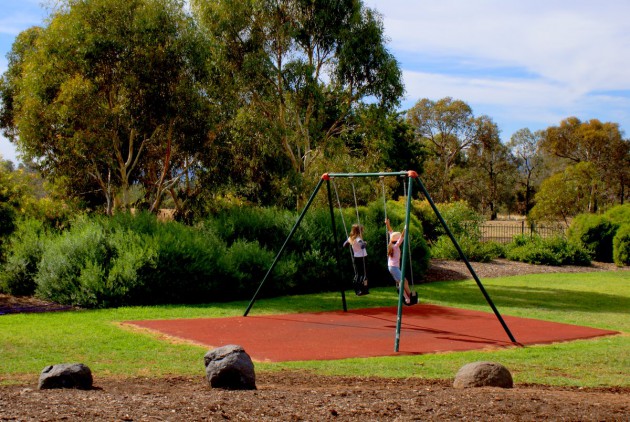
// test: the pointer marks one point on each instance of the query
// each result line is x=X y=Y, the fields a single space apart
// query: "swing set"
x=408 y=184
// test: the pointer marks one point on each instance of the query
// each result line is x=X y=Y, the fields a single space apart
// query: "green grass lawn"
x=29 y=342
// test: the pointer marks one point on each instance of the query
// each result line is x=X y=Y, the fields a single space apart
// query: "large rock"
x=483 y=374
x=230 y=367
x=66 y=375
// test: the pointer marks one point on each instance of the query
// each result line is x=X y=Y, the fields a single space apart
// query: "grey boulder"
x=229 y=367
x=66 y=375
x=483 y=374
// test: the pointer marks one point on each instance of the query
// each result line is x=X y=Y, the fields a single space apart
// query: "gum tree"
x=598 y=143
x=447 y=128
x=110 y=94
x=299 y=68
x=524 y=145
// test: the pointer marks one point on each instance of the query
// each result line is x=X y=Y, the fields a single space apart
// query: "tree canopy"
x=110 y=93
x=300 y=69
x=600 y=144
x=154 y=103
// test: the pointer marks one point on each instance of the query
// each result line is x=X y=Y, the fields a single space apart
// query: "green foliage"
x=550 y=251
x=63 y=111
x=246 y=263
x=567 y=193
x=17 y=275
x=619 y=214
x=461 y=219
x=473 y=249
x=187 y=266
x=269 y=226
x=135 y=259
x=595 y=233
x=91 y=266
x=445 y=127
x=331 y=60
x=621 y=246
x=598 y=146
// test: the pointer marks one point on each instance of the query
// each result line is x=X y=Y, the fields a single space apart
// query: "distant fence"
x=504 y=231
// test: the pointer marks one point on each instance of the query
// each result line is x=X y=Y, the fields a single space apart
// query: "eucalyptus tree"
x=447 y=128
x=525 y=146
x=599 y=143
x=490 y=171
x=566 y=194
x=299 y=68
x=110 y=94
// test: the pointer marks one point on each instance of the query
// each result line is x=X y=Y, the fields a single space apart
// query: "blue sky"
x=525 y=64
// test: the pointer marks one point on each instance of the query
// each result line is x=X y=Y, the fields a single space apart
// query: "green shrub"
x=473 y=250
x=187 y=266
x=595 y=233
x=621 y=246
x=72 y=263
x=93 y=266
x=136 y=260
x=269 y=226
x=131 y=255
x=551 y=251
x=567 y=252
x=25 y=251
x=7 y=225
x=619 y=214
x=247 y=264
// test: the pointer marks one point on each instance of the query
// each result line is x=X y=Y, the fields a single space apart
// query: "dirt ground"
x=302 y=396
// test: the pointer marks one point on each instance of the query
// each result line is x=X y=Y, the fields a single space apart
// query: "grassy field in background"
x=29 y=342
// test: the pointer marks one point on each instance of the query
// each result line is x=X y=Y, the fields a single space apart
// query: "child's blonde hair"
x=356 y=231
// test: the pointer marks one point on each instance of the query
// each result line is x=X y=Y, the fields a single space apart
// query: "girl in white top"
x=393 y=259
x=359 y=252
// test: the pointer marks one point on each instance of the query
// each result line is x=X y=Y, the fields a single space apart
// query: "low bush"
x=621 y=246
x=137 y=260
x=595 y=233
x=93 y=265
x=619 y=214
x=551 y=251
x=17 y=275
x=473 y=249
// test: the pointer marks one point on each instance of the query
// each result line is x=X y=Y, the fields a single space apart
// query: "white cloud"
x=538 y=59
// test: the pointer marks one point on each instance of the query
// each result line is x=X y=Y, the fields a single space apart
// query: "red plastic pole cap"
x=412 y=173
x=325 y=176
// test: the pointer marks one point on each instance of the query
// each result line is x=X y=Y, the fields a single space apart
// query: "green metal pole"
x=403 y=264
x=336 y=247
x=463 y=256
x=286 y=242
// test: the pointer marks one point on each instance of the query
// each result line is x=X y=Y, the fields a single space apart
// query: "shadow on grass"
x=529 y=297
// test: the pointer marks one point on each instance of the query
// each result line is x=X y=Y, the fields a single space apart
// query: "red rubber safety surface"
x=366 y=332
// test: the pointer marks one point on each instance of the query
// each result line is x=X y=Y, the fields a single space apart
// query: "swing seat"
x=413 y=298
x=360 y=286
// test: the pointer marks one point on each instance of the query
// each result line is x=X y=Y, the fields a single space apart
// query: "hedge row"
x=138 y=260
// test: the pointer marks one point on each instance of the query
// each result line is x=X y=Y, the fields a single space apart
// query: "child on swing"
x=393 y=260
x=359 y=252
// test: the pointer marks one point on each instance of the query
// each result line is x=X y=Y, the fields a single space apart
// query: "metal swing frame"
x=411 y=175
